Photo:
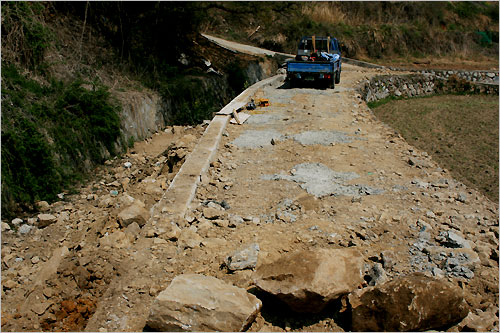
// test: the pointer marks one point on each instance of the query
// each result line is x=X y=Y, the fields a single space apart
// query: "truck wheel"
x=337 y=77
x=332 y=83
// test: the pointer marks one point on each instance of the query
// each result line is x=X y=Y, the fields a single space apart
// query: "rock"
x=189 y=239
x=452 y=239
x=243 y=258
x=42 y=206
x=235 y=220
x=212 y=213
x=9 y=284
x=308 y=280
x=481 y=322
x=16 y=221
x=127 y=165
x=133 y=230
x=462 y=197
x=198 y=303
x=40 y=308
x=5 y=227
x=376 y=274
x=410 y=303
x=24 y=229
x=125 y=199
x=45 y=220
x=134 y=213
x=35 y=260
x=418 y=163
x=117 y=239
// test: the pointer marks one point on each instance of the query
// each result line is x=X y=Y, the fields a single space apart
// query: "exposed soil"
x=460 y=132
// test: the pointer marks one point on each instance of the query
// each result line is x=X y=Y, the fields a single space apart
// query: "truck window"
x=305 y=44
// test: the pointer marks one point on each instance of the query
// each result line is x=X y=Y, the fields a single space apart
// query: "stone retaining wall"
x=473 y=76
x=411 y=85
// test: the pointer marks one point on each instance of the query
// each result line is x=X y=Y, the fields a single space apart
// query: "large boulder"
x=308 y=280
x=197 y=303
x=411 y=303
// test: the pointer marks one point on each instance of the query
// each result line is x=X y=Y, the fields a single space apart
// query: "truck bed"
x=310 y=66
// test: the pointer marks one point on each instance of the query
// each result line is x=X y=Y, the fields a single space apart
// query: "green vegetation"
x=47 y=133
x=459 y=131
x=24 y=29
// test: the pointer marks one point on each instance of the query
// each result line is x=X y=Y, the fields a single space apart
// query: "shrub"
x=47 y=134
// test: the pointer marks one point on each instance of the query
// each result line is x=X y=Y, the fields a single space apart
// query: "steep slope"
x=440 y=34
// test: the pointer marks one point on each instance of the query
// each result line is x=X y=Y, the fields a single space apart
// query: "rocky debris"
x=45 y=220
x=452 y=239
x=419 y=163
x=243 y=258
x=454 y=262
x=133 y=213
x=197 y=303
x=287 y=211
x=410 y=303
x=308 y=280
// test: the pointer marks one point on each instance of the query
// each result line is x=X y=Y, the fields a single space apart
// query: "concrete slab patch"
x=322 y=137
x=319 y=180
x=257 y=139
x=261 y=119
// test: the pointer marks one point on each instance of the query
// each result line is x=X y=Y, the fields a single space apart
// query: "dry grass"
x=324 y=12
x=460 y=132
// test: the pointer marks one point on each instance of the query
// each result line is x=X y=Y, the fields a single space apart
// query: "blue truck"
x=318 y=59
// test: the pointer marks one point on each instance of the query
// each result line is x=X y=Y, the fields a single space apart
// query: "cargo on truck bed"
x=318 y=59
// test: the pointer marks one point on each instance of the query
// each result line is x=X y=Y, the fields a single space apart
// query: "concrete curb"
x=175 y=201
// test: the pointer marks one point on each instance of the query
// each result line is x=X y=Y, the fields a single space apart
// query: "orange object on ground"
x=263 y=102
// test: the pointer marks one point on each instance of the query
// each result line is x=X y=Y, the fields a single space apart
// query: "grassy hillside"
x=384 y=32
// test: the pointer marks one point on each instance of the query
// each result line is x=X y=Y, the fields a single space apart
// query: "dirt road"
x=313 y=170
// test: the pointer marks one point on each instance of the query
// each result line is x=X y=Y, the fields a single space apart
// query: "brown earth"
x=105 y=260
x=460 y=132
